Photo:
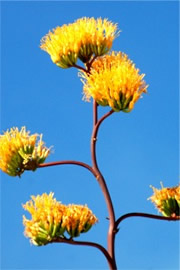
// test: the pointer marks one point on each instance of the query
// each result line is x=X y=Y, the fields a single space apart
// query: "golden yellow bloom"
x=167 y=200
x=78 y=219
x=114 y=81
x=51 y=219
x=81 y=39
x=47 y=215
x=20 y=151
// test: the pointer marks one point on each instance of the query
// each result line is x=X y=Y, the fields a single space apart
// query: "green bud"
x=170 y=207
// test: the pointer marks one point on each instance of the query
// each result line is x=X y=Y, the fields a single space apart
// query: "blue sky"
x=134 y=150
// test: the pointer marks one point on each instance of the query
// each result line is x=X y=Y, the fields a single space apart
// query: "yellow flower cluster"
x=81 y=39
x=78 y=219
x=167 y=200
x=20 y=151
x=114 y=81
x=46 y=219
x=50 y=219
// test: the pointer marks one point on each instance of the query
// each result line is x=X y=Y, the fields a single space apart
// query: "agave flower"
x=82 y=39
x=50 y=219
x=20 y=151
x=46 y=221
x=78 y=219
x=167 y=200
x=114 y=81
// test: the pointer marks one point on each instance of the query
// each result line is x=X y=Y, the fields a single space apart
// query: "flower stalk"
x=102 y=182
x=91 y=244
x=144 y=215
x=68 y=162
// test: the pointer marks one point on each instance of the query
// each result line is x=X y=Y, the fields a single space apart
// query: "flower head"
x=81 y=39
x=46 y=222
x=50 y=219
x=78 y=219
x=114 y=81
x=20 y=151
x=167 y=200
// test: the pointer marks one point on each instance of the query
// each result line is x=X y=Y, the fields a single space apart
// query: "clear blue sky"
x=134 y=150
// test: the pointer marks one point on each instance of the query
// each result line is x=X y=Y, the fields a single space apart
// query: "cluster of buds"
x=51 y=219
x=167 y=200
x=20 y=151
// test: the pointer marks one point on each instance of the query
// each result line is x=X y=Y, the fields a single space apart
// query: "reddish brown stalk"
x=79 y=67
x=85 y=243
x=95 y=113
x=145 y=215
x=68 y=162
x=96 y=125
x=90 y=64
x=102 y=183
x=99 y=176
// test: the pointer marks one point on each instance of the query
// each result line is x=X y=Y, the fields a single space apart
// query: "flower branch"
x=79 y=67
x=145 y=215
x=85 y=243
x=102 y=182
x=68 y=162
x=96 y=124
x=89 y=64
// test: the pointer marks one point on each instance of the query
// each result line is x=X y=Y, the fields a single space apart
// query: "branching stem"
x=90 y=64
x=85 y=243
x=79 y=67
x=68 y=162
x=102 y=183
x=145 y=215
